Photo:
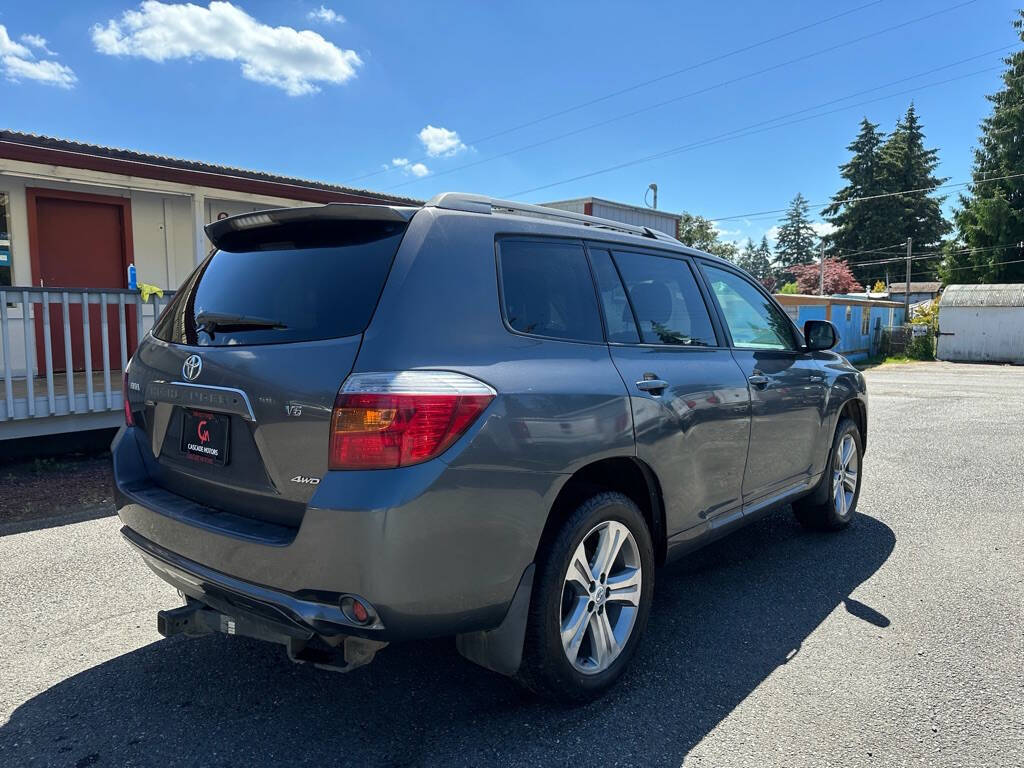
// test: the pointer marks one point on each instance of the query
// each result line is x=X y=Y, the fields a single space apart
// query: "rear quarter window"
x=547 y=290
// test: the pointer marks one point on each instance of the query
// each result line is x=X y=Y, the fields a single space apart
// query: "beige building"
x=73 y=217
x=159 y=204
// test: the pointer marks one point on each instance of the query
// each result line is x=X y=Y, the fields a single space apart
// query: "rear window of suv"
x=313 y=285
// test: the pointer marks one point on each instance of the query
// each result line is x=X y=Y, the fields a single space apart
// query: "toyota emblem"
x=192 y=367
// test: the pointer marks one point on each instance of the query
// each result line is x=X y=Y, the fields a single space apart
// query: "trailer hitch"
x=339 y=653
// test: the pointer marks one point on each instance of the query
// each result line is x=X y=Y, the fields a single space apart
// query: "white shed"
x=659 y=220
x=982 y=323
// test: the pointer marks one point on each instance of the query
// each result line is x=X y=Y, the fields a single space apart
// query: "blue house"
x=858 y=321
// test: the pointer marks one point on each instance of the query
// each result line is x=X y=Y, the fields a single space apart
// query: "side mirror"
x=820 y=335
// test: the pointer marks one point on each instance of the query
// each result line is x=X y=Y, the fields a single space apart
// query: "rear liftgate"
x=338 y=653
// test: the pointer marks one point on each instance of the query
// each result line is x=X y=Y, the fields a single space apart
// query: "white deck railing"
x=59 y=360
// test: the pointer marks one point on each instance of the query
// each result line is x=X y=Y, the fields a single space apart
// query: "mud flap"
x=501 y=649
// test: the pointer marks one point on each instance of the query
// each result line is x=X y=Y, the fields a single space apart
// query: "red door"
x=80 y=241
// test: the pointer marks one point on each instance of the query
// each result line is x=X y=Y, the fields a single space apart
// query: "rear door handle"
x=758 y=380
x=654 y=386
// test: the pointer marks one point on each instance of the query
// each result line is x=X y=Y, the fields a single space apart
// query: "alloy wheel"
x=845 y=465
x=600 y=597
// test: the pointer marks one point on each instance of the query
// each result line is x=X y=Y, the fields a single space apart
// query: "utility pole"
x=821 y=271
x=906 y=294
x=652 y=188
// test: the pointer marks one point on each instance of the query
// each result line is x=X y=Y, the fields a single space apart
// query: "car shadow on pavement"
x=722 y=621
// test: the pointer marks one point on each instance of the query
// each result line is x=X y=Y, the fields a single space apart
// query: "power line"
x=935 y=254
x=741 y=133
x=690 y=94
x=883 y=249
x=691 y=67
x=879 y=196
x=993 y=264
x=644 y=83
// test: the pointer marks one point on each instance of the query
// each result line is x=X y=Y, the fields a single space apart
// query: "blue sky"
x=336 y=91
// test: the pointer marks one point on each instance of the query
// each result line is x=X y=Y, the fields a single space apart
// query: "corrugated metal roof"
x=994 y=295
x=96 y=150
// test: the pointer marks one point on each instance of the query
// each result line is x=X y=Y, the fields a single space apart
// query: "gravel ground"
x=48 y=490
x=896 y=642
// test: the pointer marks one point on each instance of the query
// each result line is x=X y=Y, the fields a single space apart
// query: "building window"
x=849 y=312
x=5 y=239
x=865 y=320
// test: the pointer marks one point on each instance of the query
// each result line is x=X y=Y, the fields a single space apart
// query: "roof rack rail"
x=458 y=201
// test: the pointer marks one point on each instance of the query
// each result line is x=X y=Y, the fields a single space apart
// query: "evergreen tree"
x=907 y=165
x=745 y=259
x=990 y=219
x=860 y=225
x=796 y=240
x=757 y=260
x=763 y=260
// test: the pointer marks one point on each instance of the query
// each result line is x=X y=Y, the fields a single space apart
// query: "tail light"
x=128 y=418
x=387 y=420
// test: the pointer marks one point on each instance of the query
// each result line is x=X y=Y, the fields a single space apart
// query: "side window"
x=617 y=314
x=666 y=301
x=547 y=290
x=754 y=322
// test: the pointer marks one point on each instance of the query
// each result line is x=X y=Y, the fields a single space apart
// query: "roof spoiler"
x=223 y=229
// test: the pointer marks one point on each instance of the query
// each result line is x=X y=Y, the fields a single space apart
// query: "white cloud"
x=440 y=142
x=326 y=15
x=38 y=42
x=822 y=228
x=292 y=60
x=17 y=62
x=418 y=170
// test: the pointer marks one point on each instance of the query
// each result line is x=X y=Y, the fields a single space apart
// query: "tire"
x=609 y=617
x=825 y=509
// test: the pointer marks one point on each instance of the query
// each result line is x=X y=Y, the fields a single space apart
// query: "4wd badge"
x=306 y=480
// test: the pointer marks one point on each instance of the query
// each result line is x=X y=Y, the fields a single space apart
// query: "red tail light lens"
x=388 y=420
x=128 y=418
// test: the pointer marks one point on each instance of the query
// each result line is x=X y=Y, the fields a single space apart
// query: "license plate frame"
x=205 y=436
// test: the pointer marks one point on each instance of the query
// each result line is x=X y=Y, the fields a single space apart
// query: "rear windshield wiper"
x=211 y=322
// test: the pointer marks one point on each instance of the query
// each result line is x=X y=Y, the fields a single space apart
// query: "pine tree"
x=905 y=164
x=763 y=266
x=990 y=219
x=796 y=240
x=745 y=259
x=860 y=225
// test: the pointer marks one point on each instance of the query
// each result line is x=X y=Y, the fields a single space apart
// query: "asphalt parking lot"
x=899 y=641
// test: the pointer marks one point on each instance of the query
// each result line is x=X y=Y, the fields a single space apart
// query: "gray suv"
x=361 y=424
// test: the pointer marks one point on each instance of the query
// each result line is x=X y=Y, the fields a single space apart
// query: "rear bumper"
x=290 y=615
x=437 y=551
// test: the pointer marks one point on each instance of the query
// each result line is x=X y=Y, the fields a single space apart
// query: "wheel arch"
x=625 y=474
x=855 y=410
